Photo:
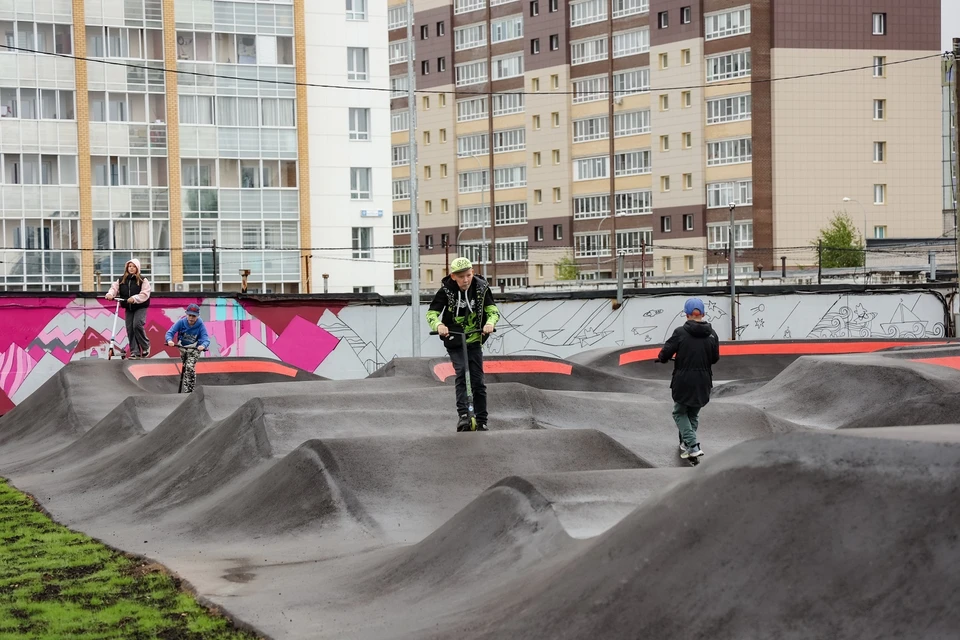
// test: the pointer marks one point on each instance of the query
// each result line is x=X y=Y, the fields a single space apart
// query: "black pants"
x=475 y=358
x=136 y=336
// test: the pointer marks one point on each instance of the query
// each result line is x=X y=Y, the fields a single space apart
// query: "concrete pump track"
x=827 y=505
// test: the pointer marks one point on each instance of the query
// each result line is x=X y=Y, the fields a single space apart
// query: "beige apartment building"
x=516 y=99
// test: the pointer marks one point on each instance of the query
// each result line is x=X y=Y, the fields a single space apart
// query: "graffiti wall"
x=39 y=335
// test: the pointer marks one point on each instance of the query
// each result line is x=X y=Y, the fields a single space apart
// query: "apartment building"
x=107 y=157
x=516 y=100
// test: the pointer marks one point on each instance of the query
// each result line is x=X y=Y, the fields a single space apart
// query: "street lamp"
x=862 y=210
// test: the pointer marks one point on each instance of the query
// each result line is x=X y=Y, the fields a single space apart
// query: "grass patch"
x=55 y=583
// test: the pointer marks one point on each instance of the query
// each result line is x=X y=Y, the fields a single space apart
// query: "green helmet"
x=460 y=264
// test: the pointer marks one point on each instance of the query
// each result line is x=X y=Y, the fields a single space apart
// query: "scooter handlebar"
x=460 y=333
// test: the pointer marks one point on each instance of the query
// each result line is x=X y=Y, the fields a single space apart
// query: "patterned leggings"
x=189 y=360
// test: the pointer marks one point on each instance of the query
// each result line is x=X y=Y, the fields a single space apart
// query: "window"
x=585 y=51
x=401 y=155
x=535 y=46
x=357 y=63
x=356 y=9
x=667 y=264
x=426 y=103
x=587 y=11
x=360 y=183
x=429 y=275
x=505 y=29
x=586 y=207
x=664 y=61
x=538 y=236
x=443 y=135
x=633 y=203
x=555 y=42
x=685 y=57
x=555 y=118
x=688 y=263
x=359 y=124
x=401 y=223
x=534 y=8
x=426 y=138
x=631 y=123
x=441 y=67
x=362 y=243
x=556 y=194
x=556 y=156
x=880 y=232
x=473 y=181
x=401 y=257
x=441 y=29
x=428 y=209
x=554 y=5
x=663 y=19
x=630 y=43
x=879 y=63
x=589 y=89
x=664 y=102
x=558 y=232
x=685 y=100
x=879 y=194
x=590 y=245
x=879 y=151
x=631 y=241
x=724 y=24
x=628 y=83
x=443 y=170
x=687 y=140
x=730 y=65
x=587 y=129
x=507 y=66
x=427 y=173
x=879 y=109
x=511 y=250
x=723 y=194
x=537 y=196
x=399 y=121
x=729 y=109
x=591 y=168
x=471 y=109
x=622 y=8
x=536 y=123
x=506 y=103
x=554 y=81
x=729 y=152
x=665 y=184
x=665 y=224
x=509 y=177
x=688 y=221
x=424 y=32
x=511 y=213
x=536 y=158
x=463 y=6
x=425 y=67
x=471 y=73
x=535 y=84
x=474 y=217
x=444 y=204
x=469 y=37
x=428 y=241
x=631 y=163
x=718 y=235
x=472 y=145
x=879 y=24
x=399 y=87
x=688 y=181
x=509 y=140
x=665 y=143
x=194 y=109
x=401 y=189
x=397 y=17
x=397 y=52
x=685 y=15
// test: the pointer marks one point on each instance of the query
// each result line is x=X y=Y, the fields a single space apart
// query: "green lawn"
x=55 y=583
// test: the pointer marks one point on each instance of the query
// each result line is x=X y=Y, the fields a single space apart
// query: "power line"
x=316 y=85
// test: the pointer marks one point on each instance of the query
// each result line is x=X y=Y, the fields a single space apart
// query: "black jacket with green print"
x=463 y=311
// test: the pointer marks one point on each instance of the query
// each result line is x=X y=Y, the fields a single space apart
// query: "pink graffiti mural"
x=39 y=335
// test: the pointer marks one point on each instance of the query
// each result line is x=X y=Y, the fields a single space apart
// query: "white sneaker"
x=693 y=452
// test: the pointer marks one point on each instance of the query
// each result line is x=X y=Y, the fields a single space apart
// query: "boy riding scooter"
x=463 y=309
x=193 y=338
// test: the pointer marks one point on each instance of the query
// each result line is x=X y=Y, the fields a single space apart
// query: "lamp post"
x=733 y=276
x=864 y=212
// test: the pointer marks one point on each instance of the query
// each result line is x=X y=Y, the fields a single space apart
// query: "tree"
x=842 y=243
x=567 y=268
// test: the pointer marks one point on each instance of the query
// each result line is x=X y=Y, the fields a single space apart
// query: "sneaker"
x=463 y=424
x=145 y=354
x=683 y=448
x=693 y=452
x=482 y=426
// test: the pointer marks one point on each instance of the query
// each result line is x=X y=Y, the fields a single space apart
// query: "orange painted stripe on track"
x=226 y=366
x=787 y=348
x=951 y=361
x=445 y=370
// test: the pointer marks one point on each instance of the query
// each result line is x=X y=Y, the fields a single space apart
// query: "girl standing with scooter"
x=132 y=292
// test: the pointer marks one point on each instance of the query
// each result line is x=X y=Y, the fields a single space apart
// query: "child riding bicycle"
x=463 y=309
x=190 y=332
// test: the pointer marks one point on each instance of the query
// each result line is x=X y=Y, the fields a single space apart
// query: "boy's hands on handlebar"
x=442 y=330
x=487 y=329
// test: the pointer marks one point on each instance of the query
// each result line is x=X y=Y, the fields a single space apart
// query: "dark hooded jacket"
x=463 y=311
x=697 y=348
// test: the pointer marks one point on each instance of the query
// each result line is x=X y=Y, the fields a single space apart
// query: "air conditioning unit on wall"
x=181 y=286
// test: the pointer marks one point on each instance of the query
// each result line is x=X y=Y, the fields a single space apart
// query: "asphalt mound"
x=162 y=375
x=802 y=536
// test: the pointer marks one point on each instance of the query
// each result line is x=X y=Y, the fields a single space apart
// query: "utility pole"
x=643 y=264
x=216 y=275
x=414 y=227
x=733 y=277
x=956 y=160
x=819 y=261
